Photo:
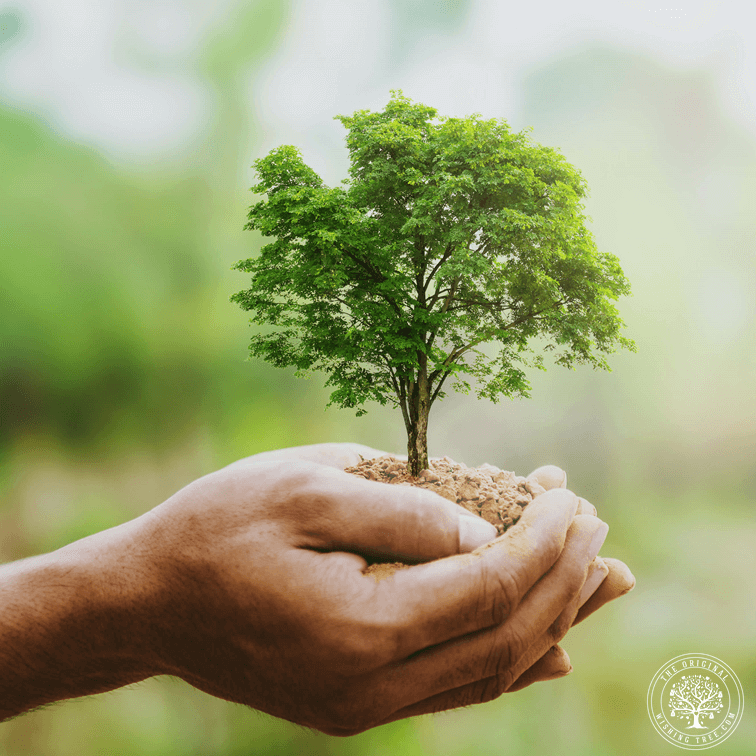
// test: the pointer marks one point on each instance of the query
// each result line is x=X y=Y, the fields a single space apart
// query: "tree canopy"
x=448 y=233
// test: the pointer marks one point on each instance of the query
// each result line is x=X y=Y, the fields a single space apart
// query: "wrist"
x=70 y=623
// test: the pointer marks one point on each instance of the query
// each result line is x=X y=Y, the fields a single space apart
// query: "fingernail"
x=599 y=536
x=473 y=532
x=585 y=507
x=597 y=571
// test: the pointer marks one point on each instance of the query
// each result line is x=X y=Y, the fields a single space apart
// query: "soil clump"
x=498 y=496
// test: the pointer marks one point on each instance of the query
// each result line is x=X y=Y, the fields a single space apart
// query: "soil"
x=498 y=496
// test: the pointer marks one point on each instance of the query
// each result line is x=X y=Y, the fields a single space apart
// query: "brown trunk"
x=417 y=433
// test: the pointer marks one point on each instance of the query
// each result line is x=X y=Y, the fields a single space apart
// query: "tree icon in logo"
x=695 y=696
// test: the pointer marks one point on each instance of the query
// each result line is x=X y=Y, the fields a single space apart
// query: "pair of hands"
x=253 y=590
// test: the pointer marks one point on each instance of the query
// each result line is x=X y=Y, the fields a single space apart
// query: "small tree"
x=449 y=234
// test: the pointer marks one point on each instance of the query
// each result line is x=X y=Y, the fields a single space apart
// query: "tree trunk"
x=417 y=433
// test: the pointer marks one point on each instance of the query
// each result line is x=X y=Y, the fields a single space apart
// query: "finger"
x=338 y=455
x=480 y=666
x=617 y=583
x=546 y=668
x=542 y=666
x=555 y=663
x=549 y=477
x=383 y=522
x=435 y=602
x=595 y=573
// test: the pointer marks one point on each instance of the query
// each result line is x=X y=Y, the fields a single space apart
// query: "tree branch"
x=452 y=292
x=401 y=393
x=453 y=356
x=436 y=295
x=376 y=276
x=486 y=336
x=442 y=260
x=438 y=388
x=530 y=315
x=421 y=264
x=475 y=302
x=350 y=313
x=445 y=307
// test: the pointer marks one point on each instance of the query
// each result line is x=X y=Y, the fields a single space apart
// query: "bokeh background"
x=127 y=131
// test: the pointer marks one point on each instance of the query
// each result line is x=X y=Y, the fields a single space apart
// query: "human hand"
x=260 y=598
x=607 y=580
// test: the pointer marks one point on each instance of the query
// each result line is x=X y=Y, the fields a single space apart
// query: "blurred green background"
x=127 y=129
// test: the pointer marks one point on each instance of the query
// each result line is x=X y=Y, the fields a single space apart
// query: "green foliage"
x=90 y=257
x=449 y=233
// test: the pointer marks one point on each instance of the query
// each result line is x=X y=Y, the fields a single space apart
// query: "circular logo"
x=695 y=701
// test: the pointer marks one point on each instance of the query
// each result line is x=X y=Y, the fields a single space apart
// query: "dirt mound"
x=498 y=496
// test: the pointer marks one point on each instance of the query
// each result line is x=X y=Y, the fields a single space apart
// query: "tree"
x=694 y=696
x=449 y=233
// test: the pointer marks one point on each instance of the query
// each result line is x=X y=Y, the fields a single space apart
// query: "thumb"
x=395 y=522
x=549 y=476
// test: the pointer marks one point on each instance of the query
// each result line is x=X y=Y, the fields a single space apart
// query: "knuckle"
x=559 y=627
x=574 y=581
x=550 y=546
x=504 y=654
x=467 y=696
x=303 y=486
x=498 y=686
x=285 y=488
x=485 y=690
x=501 y=584
x=517 y=643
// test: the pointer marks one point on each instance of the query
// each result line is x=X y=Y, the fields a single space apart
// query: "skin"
x=248 y=585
